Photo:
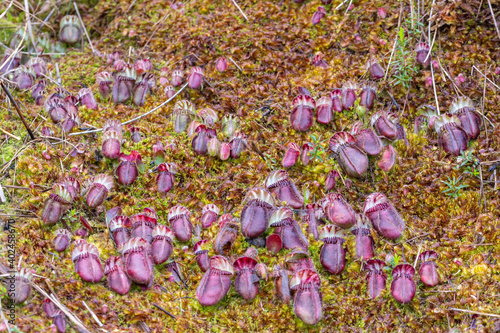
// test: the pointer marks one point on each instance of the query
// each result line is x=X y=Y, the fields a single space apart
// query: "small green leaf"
x=141 y=167
x=158 y=160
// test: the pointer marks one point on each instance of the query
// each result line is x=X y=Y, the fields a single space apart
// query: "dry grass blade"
x=19 y=46
x=390 y=58
x=93 y=315
x=6 y=165
x=348 y=7
x=418 y=253
x=494 y=18
x=7 y=9
x=10 y=134
x=234 y=62
x=493 y=83
x=341 y=4
x=84 y=28
x=476 y=312
x=241 y=11
x=73 y=318
x=449 y=77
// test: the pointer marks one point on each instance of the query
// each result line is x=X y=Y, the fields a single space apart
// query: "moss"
x=275 y=51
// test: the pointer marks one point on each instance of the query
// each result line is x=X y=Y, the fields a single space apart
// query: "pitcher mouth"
x=178 y=211
x=330 y=232
x=339 y=140
x=304 y=101
x=446 y=119
x=282 y=216
x=222 y=265
x=276 y=177
x=136 y=244
x=260 y=194
x=375 y=201
x=305 y=278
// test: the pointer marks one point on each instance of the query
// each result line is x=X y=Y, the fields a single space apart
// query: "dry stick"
x=390 y=58
x=432 y=44
x=20 y=7
x=234 y=62
x=430 y=16
x=51 y=79
x=165 y=311
x=10 y=134
x=484 y=97
x=242 y=13
x=495 y=180
x=133 y=3
x=2 y=194
x=93 y=315
x=493 y=83
x=13 y=54
x=156 y=108
x=449 y=77
x=479 y=9
x=395 y=42
x=56 y=302
x=348 y=6
x=16 y=187
x=17 y=154
x=18 y=110
x=6 y=10
x=83 y=25
x=45 y=21
x=136 y=118
x=494 y=19
x=432 y=68
x=412 y=16
x=12 y=215
x=343 y=2
x=476 y=312
x=434 y=86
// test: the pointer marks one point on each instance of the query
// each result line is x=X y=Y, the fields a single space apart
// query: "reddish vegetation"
x=319 y=167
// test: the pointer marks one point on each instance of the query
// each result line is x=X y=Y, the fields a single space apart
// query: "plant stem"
x=18 y=110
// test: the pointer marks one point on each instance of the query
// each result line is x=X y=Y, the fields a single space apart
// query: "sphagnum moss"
x=274 y=64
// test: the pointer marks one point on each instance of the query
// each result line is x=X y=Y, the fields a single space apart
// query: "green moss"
x=274 y=49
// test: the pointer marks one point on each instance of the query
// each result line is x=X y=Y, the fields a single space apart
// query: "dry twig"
x=163 y=310
x=242 y=13
x=10 y=134
x=475 y=68
x=93 y=315
x=234 y=62
x=18 y=110
x=476 y=312
x=53 y=299
x=494 y=19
